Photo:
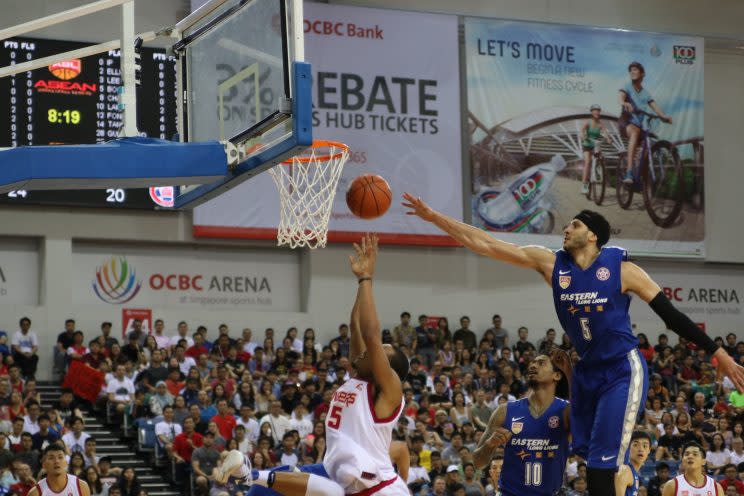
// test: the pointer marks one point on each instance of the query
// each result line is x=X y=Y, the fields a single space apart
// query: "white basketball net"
x=307 y=186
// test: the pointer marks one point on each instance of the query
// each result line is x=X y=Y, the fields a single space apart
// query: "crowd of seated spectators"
x=267 y=395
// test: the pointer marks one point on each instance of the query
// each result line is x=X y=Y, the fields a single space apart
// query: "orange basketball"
x=369 y=196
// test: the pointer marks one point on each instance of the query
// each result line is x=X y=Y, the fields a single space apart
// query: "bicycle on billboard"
x=658 y=173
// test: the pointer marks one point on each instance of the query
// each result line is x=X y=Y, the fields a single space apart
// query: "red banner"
x=85 y=381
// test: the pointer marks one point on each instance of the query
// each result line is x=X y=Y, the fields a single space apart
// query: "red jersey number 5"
x=334 y=417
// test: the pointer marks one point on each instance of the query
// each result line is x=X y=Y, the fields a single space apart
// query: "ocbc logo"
x=674 y=294
x=324 y=27
x=176 y=282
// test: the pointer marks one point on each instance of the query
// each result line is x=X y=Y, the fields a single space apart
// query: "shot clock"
x=63 y=116
x=76 y=102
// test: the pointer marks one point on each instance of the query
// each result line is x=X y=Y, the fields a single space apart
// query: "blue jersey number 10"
x=532 y=474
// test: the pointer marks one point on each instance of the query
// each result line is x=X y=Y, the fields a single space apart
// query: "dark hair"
x=399 y=363
x=98 y=486
x=728 y=466
x=105 y=324
x=69 y=321
x=662 y=466
x=50 y=448
x=405 y=314
x=637 y=65
x=694 y=444
x=640 y=435
x=24 y=319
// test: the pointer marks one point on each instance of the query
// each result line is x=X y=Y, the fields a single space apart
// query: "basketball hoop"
x=307 y=185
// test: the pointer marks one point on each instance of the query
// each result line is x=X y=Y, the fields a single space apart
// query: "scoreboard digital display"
x=77 y=102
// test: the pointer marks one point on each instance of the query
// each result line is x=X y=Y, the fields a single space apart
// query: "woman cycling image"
x=635 y=100
x=591 y=133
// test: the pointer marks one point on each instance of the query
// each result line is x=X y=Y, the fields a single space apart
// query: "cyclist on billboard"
x=635 y=99
x=591 y=133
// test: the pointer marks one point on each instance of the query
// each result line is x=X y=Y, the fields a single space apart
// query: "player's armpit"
x=33 y=492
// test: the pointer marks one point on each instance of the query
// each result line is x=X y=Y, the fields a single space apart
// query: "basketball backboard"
x=242 y=80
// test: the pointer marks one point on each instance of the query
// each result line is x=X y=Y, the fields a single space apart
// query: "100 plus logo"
x=684 y=54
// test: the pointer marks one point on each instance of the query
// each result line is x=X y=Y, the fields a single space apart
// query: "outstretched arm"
x=636 y=280
x=537 y=258
x=356 y=345
x=363 y=266
x=494 y=437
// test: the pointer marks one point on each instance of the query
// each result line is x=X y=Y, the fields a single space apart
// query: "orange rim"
x=317 y=144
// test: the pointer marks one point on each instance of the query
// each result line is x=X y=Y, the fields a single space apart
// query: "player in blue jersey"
x=534 y=432
x=591 y=288
x=627 y=478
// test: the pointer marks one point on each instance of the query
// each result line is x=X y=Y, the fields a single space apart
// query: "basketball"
x=369 y=196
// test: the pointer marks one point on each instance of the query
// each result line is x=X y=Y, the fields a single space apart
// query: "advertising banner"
x=129 y=315
x=386 y=83
x=712 y=296
x=186 y=278
x=554 y=112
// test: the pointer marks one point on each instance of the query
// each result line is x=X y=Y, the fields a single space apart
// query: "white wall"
x=443 y=281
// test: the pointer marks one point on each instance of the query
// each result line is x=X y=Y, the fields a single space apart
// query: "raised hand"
x=363 y=263
x=418 y=207
x=728 y=367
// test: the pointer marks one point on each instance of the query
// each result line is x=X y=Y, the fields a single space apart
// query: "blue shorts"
x=606 y=400
x=316 y=469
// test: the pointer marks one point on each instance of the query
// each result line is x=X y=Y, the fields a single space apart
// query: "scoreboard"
x=77 y=102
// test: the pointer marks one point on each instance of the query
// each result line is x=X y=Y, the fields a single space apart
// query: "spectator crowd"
x=267 y=395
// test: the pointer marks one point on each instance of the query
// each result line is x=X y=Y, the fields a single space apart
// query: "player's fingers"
x=739 y=379
x=357 y=249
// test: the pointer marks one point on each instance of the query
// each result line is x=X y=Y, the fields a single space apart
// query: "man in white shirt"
x=300 y=421
x=120 y=390
x=737 y=453
x=247 y=420
x=278 y=421
x=183 y=333
x=184 y=362
x=248 y=345
x=31 y=420
x=75 y=439
x=244 y=444
x=162 y=340
x=25 y=345
x=167 y=430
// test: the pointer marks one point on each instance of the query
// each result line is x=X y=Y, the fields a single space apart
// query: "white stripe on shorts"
x=635 y=391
